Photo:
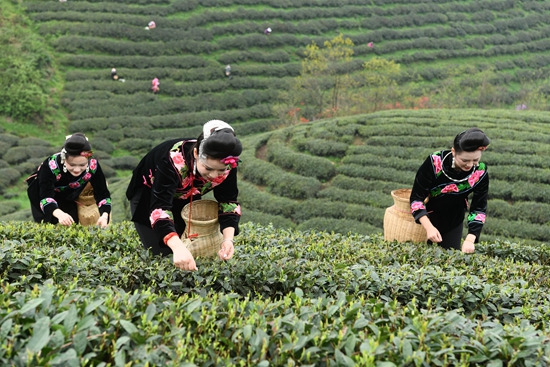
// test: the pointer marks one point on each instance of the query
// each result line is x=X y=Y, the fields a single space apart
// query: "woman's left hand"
x=227 y=250
x=103 y=221
x=468 y=247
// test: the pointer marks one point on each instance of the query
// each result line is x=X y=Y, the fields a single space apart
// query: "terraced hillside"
x=194 y=41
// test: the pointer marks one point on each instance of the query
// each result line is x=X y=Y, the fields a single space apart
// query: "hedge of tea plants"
x=194 y=41
x=345 y=168
x=84 y=296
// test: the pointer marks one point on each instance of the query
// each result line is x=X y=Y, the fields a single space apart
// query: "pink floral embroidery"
x=417 y=205
x=474 y=177
x=437 y=163
x=218 y=180
x=87 y=176
x=238 y=209
x=101 y=203
x=158 y=214
x=74 y=185
x=178 y=160
x=231 y=161
x=58 y=177
x=93 y=164
x=449 y=188
x=480 y=217
x=52 y=164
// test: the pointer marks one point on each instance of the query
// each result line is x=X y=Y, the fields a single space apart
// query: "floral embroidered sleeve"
x=478 y=208
x=229 y=209
x=425 y=175
x=47 y=176
x=165 y=183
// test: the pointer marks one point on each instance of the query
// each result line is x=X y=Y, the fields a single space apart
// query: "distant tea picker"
x=151 y=25
x=155 y=86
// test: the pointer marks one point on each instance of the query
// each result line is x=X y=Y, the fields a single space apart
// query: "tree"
x=322 y=87
x=380 y=78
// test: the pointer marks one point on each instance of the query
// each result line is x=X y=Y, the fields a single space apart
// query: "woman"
x=173 y=172
x=54 y=188
x=447 y=177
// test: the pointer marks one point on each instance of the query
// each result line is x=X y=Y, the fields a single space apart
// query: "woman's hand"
x=63 y=218
x=431 y=231
x=468 y=245
x=182 y=256
x=227 y=249
x=103 y=220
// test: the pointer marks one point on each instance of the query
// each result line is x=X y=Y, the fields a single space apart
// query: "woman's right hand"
x=63 y=218
x=434 y=235
x=182 y=256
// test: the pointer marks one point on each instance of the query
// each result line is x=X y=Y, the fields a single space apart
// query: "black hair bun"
x=76 y=144
x=222 y=143
x=471 y=140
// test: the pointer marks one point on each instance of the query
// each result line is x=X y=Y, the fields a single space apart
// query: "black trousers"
x=451 y=239
x=149 y=238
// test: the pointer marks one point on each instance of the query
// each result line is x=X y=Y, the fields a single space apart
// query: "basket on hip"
x=205 y=237
x=399 y=223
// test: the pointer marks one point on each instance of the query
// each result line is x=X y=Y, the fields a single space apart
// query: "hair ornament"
x=230 y=161
x=86 y=153
x=483 y=147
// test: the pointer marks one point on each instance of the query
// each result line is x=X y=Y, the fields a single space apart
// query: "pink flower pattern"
x=178 y=160
x=449 y=188
x=93 y=164
x=480 y=217
x=474 y=177
x=158 y=214
x=417 y=205
x=53 y=164
x=437 y=163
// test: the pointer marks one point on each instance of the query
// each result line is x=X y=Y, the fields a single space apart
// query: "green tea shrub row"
x=337 y=226
x=205 y=102
x=197 y=74
x=77 y=44
x=265 y=219
x=132 y=62
x=517 y=173
x=245 y=120
x=278 y=181
x=233 y=57
x=519 y=191
x=321 y=147
x=257 y=200
x=376 y=173
x=350 y=183
x=9 y=206
x=339 y=210
x=65 y=325
x=169 y=88
x=521 y=228
x=383 y=160
x=20 y=154
x=526 y=211
x=368 y=199
x=272 y=263
x=8 y=176
x=300 y=163
x=112 y=7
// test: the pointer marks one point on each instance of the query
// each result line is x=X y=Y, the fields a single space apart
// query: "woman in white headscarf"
x=173 y=173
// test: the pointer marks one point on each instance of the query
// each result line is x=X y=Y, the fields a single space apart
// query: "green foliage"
x=26 y=67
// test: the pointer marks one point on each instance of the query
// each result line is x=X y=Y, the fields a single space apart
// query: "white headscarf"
x=208 y=129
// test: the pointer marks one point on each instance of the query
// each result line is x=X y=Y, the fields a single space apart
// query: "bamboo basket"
x=206 y=238
x=399 y=224
x=88 y=212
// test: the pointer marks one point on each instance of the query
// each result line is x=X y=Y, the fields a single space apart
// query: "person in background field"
x=113 y=74
x=447 y=178
x=174 y=172
x=155 y=85
x=54 y=188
